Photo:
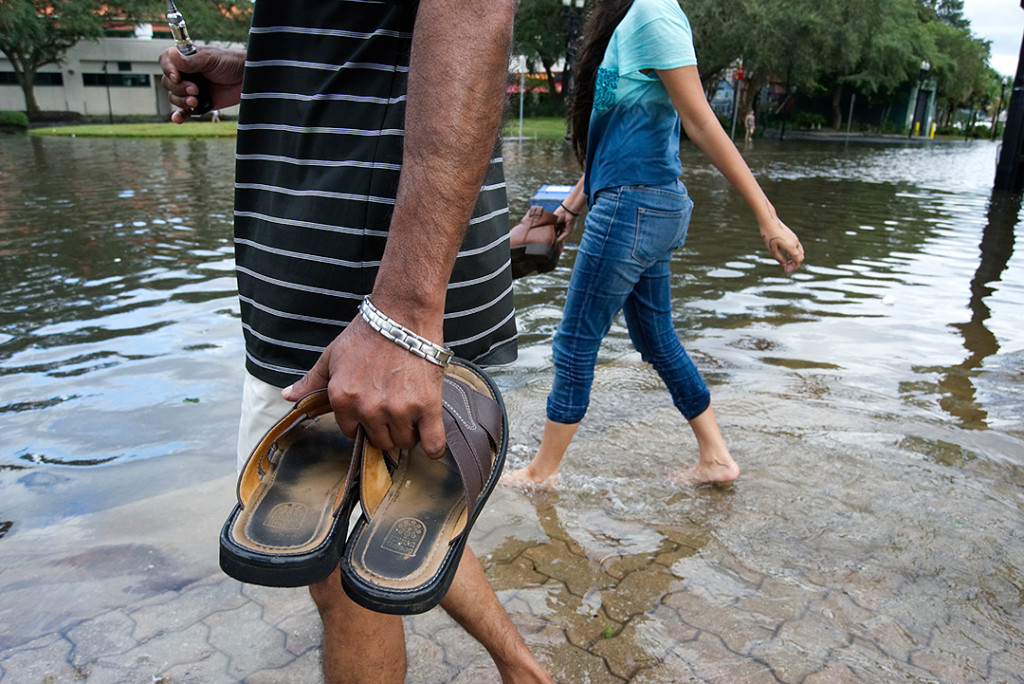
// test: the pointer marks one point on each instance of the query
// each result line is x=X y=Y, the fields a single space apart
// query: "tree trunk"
x=553 y=94
x=752 y=86
x=26 y=79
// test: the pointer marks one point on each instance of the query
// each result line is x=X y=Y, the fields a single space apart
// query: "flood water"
x=874 y=401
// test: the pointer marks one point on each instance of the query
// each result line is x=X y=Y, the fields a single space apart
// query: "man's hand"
x=222 y=69
x=394 y=394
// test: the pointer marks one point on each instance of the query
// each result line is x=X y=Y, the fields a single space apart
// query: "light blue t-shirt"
x=634 y=127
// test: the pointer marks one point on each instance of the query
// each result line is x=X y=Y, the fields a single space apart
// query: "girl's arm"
x=570 y=208
x=702 y=127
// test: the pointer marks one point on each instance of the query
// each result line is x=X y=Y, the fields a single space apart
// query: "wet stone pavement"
x=628 y=618
x=134 y=594
x=873 y=401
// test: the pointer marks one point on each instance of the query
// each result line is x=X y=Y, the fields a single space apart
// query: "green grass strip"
x=197 y=129
x=541 y=128
x=538 y=128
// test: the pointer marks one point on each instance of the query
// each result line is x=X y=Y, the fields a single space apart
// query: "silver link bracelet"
x=402 y=336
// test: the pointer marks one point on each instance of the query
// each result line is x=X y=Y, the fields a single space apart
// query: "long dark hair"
x=597 y=33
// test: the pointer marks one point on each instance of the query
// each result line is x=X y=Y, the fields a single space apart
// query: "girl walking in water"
x=636 y=84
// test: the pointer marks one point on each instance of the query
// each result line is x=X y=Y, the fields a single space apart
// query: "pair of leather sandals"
x=301 y=482
x=536 y=242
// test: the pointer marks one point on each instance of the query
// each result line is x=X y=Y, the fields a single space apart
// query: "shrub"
x=809 y=120
x=14 y=120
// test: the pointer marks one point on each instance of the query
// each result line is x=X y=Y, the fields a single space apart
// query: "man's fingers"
x=378 y=434
x=395 y=433
x=315 y=379
x=432 y=437
x=172 y=64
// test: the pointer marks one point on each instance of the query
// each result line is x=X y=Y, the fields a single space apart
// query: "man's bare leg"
x=716 y=465
x=543 y=469
x=359 y=645
x=472 y=603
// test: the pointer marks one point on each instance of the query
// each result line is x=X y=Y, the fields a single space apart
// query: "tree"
x=540 y=35
x=892 y=54
x=721 y=30
x=216 y=20
x=949 y=12
x=961 y=67
x=38 y=33
x=773 y=39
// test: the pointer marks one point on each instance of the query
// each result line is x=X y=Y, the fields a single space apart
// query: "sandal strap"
x=472 y=426
x=262 y=456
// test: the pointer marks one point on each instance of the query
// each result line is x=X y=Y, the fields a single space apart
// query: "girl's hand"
x=565 y=224
x=783 y=244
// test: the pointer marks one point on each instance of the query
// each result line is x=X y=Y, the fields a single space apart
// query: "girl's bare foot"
x=715 y=465
x=716 y=471
x=528 y=478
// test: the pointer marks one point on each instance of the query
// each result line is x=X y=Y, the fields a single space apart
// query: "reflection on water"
x=118 y=295
x=892 y=292
x=873 y=400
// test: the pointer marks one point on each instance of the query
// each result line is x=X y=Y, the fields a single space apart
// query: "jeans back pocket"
x=659 y=231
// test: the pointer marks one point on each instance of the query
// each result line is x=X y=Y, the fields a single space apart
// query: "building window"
x=116 y=80
x=46 y=78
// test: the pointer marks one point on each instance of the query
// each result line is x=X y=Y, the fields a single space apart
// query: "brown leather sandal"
x=405 y=548
x=534 y=242
x=294 y=501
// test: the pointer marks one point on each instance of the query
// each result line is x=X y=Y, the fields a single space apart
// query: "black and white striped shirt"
x=318 y=157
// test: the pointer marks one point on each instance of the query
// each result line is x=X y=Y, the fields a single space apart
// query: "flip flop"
x=294 y=501
x=405 y=548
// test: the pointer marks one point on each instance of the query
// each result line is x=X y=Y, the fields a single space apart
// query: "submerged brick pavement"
x=751 y=584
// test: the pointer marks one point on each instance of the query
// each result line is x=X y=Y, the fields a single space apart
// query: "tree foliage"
x=950 y=12
x=961 y=68
x=36 y=33
x=541 y=36
x=872 y=47
x=211 y=21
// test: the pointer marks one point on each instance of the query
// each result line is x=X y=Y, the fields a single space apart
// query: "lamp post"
x=920 y=111
x=106 y=82
x=1003 y=82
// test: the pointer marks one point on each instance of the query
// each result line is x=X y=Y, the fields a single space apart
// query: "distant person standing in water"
x=751 y=124
x=637 y=81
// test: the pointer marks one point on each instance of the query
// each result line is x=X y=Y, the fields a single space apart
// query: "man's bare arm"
x=455 y=96
x=456 y=90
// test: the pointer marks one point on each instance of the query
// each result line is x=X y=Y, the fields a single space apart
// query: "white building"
x=111 y=77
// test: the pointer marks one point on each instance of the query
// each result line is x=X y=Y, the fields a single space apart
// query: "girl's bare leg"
x=543 y=469
x=715 y=465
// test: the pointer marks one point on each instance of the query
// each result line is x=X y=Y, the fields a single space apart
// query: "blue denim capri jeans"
x=623 y=265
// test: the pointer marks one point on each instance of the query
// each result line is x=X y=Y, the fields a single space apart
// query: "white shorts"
x=262 y=407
